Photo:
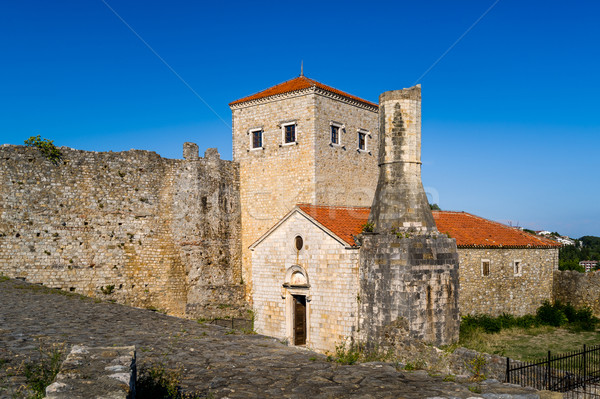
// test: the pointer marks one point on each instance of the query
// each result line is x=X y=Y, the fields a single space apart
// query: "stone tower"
x=408 y=270
x=301 y=142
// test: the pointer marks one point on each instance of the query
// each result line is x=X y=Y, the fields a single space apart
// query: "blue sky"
x=511 y=130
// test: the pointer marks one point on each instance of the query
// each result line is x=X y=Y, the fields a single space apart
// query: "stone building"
x=501 y=269
x=301 y=141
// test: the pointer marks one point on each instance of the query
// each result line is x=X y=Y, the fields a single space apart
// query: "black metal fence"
x=575 y=373
x=234 y=324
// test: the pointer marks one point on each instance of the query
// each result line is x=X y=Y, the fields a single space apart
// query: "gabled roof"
x=470 y=231
x=473 y=231
x=297 y=84
x=339 y=222
x=343 y=221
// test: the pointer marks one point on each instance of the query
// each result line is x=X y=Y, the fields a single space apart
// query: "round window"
x=299 y=243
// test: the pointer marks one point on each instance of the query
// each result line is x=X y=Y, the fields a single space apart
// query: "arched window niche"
x=296 y=277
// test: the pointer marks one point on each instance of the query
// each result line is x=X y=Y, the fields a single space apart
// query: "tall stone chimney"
x=408 y=271
x=400 y=201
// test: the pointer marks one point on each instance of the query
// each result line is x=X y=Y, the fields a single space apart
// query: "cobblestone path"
x=214 y=361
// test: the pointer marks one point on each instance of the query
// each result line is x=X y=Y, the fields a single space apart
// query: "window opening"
x=362 y=141
x=335 y=134
x=299 y=243
x=257 y=139
x=289 y=134
x=485 y=267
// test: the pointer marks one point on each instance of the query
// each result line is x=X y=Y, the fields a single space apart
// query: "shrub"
x=551 y=315
x=368 y=227
x=46 y=147
x=358 y=352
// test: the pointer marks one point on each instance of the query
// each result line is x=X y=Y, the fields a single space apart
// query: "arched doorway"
x=297 y=289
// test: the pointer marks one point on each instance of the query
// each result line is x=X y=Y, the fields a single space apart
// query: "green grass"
x=528 y=343
x=42 y=372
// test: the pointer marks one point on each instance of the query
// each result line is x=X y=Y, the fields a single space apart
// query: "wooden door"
x=299 y=320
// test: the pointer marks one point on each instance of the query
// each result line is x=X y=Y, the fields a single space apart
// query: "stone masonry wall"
x=344 y=175
x=408 y=284
x=578 y=289
x=502 y=291
x=277 y=177
x=130 y=226
x=332 y=272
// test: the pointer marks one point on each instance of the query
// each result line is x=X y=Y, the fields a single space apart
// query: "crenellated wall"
x=130 y=226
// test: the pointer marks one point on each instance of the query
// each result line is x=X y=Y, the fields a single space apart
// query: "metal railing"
x=573 y=372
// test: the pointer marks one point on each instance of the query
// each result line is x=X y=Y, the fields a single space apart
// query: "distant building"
x=588 y=265
x=564 y=240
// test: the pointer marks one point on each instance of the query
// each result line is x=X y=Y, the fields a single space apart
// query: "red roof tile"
x=343 y=221
x=474 y=231
x=470 y=231
x=299 y=83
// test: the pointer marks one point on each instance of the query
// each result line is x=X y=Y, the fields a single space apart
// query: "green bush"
x=46 y=147
x=551 y=315
x=556 y=315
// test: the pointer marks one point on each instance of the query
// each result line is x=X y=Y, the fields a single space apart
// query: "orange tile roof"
x=470 y=231
x=343 y=221
x=299 y=83
x=474 y=231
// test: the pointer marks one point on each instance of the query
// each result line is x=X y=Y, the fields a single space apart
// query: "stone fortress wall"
x=130 y=226
x=578 y=289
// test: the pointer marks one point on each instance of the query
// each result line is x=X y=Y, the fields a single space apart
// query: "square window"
x=362 y=141
x=257 y=139
x=485 y=267
x=335 y=134
x=289 y=134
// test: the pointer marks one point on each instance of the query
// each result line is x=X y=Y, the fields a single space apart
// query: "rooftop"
x=473 y=231
x=470 y=231
x=343 y=221
x=297 y=84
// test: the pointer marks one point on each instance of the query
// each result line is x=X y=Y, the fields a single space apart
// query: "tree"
x=46 y=147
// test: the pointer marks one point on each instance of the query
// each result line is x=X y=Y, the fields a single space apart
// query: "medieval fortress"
x=284 y=229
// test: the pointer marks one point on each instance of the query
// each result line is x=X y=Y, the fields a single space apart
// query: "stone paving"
x=215 y=362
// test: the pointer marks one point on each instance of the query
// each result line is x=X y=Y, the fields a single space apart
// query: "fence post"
x=507 y=370
x=548 y=372
x=584 y=366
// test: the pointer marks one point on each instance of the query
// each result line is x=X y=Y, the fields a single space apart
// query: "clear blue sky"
x=511 y=127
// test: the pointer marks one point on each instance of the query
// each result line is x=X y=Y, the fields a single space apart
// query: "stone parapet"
x=104 y=372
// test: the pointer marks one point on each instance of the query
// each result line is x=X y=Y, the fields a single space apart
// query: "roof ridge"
x=297 y=84
x=333 y=206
